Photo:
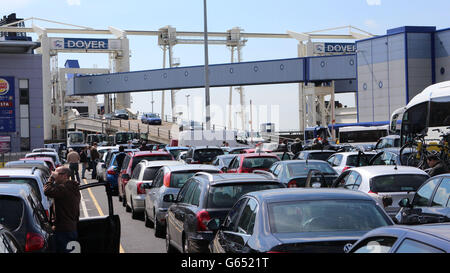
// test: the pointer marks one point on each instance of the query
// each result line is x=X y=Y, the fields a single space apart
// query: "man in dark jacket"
x=95 y=156
x=66 y=195
x=437 y=166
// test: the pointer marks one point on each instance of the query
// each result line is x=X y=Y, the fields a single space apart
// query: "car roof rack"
x=265 y=173
x=210 y=176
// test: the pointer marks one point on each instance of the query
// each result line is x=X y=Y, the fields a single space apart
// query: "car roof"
x=438 y=230
x=17 y=172
x=302 y=161
x=356 y=153
x=161 y=163
x=293 y=194
x=224 y=178
x=388 y=169
x=206 y=147
x=176 y=148
x=17 y=190
x=145 y=153
x=227 y=155
x=43 y=153
x=391 y=136
x=187 y=167
x=318 y=151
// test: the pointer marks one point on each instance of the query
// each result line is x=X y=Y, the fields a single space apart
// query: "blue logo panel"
x=7 y=105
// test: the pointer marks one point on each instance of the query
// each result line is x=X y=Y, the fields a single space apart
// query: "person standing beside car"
x=95 y=156
x=73 y=158
x=66 y=195
x=84 y=162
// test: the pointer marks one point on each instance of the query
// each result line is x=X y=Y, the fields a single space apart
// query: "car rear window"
x=207 y=154
x=11 y=212
x=302 y=169
x=259 y=162
x=352 y=160
x=397 y=183
x=138 y=159
x=32 y=182
x=324 y=216
x=178 y=179
x=319 y=156
x=224 y=196
x=150 y=173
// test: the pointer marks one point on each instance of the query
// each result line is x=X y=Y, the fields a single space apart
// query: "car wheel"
x=128 y=208
x=134 y=214
x=148 y=222
x=124 y=201
x=169 y=247
x=159 y=229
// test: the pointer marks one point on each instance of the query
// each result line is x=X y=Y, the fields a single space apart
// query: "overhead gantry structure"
x=168 y=37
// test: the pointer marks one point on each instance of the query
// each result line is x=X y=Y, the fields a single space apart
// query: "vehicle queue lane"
x=135 y=237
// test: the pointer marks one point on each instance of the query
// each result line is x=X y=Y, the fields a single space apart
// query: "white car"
x=346 y=160
x=103 y=151
x=381 y=182
x=141 y=179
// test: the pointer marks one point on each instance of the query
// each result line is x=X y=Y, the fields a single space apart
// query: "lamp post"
x=207 y=98
x=187 y=101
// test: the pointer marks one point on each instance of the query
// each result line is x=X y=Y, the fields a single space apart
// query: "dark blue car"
x=112 y=172
x=297 y=221
x=432 y=238
x=151 y=118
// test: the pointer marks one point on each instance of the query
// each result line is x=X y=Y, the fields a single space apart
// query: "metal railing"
x=7 y=157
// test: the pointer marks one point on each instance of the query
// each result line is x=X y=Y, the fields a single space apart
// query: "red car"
x=131 y=160
x=247 y=163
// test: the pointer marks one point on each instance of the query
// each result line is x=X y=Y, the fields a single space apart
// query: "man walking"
x=73 y=158
x=95 y=156
x=66 y=195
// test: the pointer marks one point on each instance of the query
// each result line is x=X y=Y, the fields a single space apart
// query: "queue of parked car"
x=247 y=200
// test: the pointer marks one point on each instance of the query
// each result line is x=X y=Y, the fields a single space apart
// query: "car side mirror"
x=405 y=203
x=169 y=198
x=213 y=225
x=126 y=176
x=224 y=169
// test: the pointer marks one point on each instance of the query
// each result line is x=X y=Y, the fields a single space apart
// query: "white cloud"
x=373 y=2
x=74 y=2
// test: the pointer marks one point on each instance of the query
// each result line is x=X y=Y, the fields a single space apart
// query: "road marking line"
x=121 y=250
x=83 y=206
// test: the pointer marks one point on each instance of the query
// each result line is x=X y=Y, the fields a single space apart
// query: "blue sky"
x=374 y=16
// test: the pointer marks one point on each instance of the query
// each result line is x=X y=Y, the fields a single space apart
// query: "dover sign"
x=85 y=44
x=342 y=48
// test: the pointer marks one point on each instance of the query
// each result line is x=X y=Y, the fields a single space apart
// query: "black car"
x=8 y=243
x=297 y=221
x=294 y=173
x=202 y=155
x=433 y=238
x=315 y=154
x=22 y=213
x=431 y=203
x=203 y=197
x=391 y=156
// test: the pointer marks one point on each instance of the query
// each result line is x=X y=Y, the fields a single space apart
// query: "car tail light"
x=292 y=184
x=345 y=168
x=111 y=171
x=47 y=213
x=34 y=242
x=140 y=189
x=167 y=179
x=202 y=220
x=373 y=192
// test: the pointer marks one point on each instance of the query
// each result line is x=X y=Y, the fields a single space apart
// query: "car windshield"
x=124 y=137
x=178 y=179
x=397 y=183
x=224 y=196
x=258 y=162
x=152 y=116
x=138 y=159
x=207 y=154
x=150 y=173
x=302 y=169
x=320 y=156
x=324 y=216
x=176 y=152
x=11 y=212
x=352 y=160
x=76 y=138
x=33 y=183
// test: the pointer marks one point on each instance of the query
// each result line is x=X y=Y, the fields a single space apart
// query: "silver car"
x=168 y=180
x=384 y=183
x=142 y=176
x=33 y=177
x=103 y=151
